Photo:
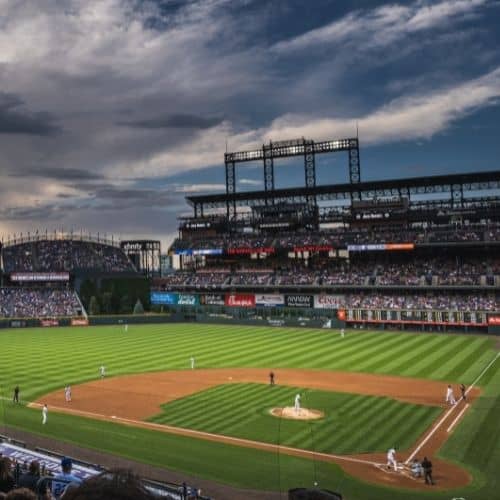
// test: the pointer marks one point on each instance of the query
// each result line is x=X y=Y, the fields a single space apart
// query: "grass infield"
x=42 y=360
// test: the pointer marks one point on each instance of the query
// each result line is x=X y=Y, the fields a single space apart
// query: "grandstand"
x=43 y=273
x=417 y=252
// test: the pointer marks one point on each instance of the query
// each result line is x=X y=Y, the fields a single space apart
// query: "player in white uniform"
x=297 y=403
x=450 y=397
x=342 y=333
x=192 y=362
x=67 y=393
x=102 y=371
x=45 y=412
x=126 y=327
x=391 y=459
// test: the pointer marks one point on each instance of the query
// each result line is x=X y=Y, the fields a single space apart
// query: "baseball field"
x=373 y=390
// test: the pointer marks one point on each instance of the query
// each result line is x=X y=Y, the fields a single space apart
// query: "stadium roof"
x=392 y=187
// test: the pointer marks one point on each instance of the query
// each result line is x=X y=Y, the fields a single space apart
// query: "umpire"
x=427 y=466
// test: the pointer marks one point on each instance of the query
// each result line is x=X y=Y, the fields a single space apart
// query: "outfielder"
x=102 y=371
x=192 y=363
x=45 y=412
x=391 y=459
x=450 y=397
x=342 y=333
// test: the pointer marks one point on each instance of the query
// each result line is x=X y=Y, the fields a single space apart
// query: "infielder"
x=192 y=363
x=67 y=393
x=391 y=459
x=45 y=412
x=102 y=371
x=297 y=403
x=450 y=397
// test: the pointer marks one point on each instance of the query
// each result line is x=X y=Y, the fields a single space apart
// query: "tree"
x=93 y=306
x=138 y=308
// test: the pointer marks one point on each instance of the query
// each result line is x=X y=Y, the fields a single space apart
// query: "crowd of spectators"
x=383 y=271
x=341 y=237
x=37 y=303
x=65 y=255
x=423 y=302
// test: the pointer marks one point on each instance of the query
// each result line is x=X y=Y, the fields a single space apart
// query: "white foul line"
x=457 y=418
x=446 y=415
x=201 y=434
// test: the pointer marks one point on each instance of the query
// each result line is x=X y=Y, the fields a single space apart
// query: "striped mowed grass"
x=353 y=423
x=43 y=360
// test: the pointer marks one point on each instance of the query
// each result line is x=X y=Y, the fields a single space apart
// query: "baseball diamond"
x=376 y=390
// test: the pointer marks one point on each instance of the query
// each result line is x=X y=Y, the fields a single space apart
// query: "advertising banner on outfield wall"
x=328 y=301
x=212 y=299
x=494 y=320
x=299 y=300
x=79 y=322
x=163 y=298
x=184 y=299
x=270 y=299
x=49 y=322
x=240 y=300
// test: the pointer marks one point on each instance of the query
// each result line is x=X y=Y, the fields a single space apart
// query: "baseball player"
x=463 y=391
x=450 y=397
x=102 y=371
x=67 y=393
x=391 y=459
x=126 y=327
x=45 y=412
x=342 y=332
x=15 y=399
x=297 y=403
x=192 y=362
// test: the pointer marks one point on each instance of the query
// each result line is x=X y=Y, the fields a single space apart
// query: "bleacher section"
x=56 y=255
x=38 y=303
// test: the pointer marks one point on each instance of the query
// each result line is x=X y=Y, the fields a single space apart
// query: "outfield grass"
x=41 y=360
x=353 y=423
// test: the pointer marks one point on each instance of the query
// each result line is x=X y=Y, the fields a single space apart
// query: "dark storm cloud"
x=61 y=174
x=44 y=212
x=174 y=121
x=108 y=197
x=18 y=121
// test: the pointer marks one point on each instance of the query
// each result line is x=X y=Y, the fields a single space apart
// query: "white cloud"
x=383 y=25
x=196 y=188
x=250 y=182
x=407 y=117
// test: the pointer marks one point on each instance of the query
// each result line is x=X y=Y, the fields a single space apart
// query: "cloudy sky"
x=111 y=111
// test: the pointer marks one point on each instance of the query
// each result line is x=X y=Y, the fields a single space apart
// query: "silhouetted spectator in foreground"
x=6 y=479
x=21 y=494
x=113 y=485
x=31 y=477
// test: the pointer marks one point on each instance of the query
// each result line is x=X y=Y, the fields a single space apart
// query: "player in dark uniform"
x=16 y=394
x=271 y=378
x=462 y=390
x=427 y=466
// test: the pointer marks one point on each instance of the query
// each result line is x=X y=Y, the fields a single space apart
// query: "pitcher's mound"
x=302 y=414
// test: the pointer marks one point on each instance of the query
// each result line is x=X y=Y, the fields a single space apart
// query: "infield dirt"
x=132 y=399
